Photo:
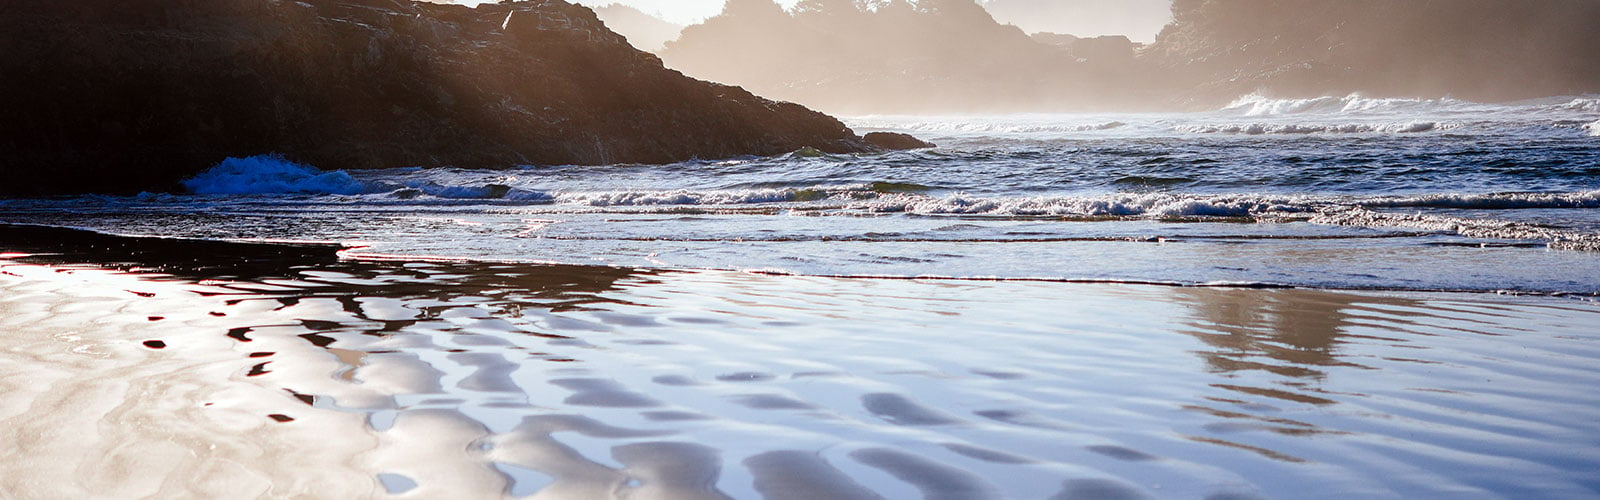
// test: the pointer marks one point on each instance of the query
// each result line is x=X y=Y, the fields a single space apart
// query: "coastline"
x=477 y=379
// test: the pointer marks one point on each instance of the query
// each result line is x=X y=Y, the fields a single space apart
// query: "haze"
x=1140 y=20
x=1000 y=56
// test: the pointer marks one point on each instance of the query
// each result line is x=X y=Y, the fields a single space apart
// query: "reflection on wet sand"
x=329 y=378
x=1286 y=335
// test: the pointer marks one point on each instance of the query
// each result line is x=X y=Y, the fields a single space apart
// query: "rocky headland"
x=116 y=96
x=1478 y=50
x=952 y=56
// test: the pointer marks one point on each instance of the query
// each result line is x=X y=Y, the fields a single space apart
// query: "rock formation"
x=122 y=96
x=896 y=141
x=889 y=56
x=943 y=56
x=1481 y=50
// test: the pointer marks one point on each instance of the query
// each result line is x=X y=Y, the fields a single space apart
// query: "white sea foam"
x=1495 y=201
x=1471 y=228
x=1117 y=205
x=271 y=174
x=1269 y=128
x=1593 y=128
x=678 y=197
x=863 y=198
x=1579 y=104
x=470 y=192
x=1259 y=105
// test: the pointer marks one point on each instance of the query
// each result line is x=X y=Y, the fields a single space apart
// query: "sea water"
x=1343 y=192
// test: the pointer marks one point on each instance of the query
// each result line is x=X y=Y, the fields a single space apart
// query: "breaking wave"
x=1578 y=104
x=1362 y=211
x=1356 y=104
x=1593 y=128
x=1258 y=105
x=1118 y=205
x=1471 y=228
x=1407 y=127
x=275 y=175
x=272 y=174
x=1497 y=201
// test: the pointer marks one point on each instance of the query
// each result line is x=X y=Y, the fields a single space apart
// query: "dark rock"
x=895 y=141
x=118 y=96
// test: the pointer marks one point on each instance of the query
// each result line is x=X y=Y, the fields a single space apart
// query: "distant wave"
x=1580 y=104
x=1258 y=105
x=1408 y=127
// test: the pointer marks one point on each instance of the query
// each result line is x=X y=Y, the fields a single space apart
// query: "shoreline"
x=168 y=251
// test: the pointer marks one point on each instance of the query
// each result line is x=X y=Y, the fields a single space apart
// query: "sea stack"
x=117 y=97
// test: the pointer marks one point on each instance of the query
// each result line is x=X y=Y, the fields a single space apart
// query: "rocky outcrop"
x=896 y=141
x=951 y=56
x=123 y=96
x=933 y=56
x=1481 y=50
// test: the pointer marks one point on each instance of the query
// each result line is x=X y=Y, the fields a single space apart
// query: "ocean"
x=1338 y=192
x=1320 y=298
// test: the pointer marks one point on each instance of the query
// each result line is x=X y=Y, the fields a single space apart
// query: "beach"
x=157 y=369
x=800 y=249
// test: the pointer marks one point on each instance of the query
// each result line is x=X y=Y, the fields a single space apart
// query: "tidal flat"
x=166 y=371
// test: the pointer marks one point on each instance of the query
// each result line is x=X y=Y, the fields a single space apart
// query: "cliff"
x=934 y=56
x=942 y=56
x=122 y=96
x=1480 y=50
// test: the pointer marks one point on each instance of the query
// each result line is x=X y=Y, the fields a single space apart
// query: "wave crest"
x=272 y=174
x=1408 y=127
x=1259 y=105
x=1119 y=205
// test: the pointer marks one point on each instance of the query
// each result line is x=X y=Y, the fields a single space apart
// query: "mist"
x=1001 y=56
x=1139 y=20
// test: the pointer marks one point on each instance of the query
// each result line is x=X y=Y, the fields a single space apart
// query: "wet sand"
x=185 y=372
